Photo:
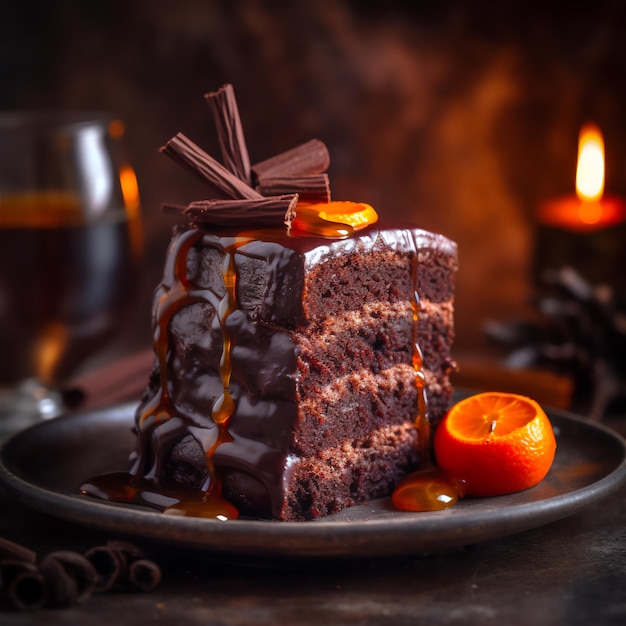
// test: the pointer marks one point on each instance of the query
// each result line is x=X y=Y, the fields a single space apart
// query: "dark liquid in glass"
x=64 y=284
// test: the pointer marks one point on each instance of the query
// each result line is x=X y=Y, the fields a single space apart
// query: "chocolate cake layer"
x=287 y=367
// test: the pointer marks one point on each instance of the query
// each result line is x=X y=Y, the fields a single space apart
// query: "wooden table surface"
x=569 y=572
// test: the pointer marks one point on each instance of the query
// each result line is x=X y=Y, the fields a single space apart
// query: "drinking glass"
x=70 y=244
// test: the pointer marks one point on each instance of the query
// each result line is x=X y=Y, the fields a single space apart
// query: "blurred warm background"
x=459 y=116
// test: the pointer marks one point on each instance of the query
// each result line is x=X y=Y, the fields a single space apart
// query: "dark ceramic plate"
x=44 y=465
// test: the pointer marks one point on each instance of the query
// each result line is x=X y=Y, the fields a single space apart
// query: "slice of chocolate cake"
x=287 y=366
x=301 y=348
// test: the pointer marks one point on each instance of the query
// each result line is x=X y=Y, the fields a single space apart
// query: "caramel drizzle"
x=422 y=422
x=181 y=293
x=428 y=488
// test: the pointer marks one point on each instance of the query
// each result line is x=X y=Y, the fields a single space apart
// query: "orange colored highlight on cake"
x=338 y=219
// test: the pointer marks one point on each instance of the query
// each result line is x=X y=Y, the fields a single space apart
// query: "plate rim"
x=414 y=531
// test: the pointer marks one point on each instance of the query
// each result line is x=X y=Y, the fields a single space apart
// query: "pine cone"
x=579 y=332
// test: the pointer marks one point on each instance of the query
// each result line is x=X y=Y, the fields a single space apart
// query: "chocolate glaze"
x=246 y=446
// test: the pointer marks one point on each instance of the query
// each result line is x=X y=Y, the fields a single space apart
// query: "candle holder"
x=586 y=231
x=588 y=236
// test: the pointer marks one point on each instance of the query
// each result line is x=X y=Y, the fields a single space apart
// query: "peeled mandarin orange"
x=496 y=443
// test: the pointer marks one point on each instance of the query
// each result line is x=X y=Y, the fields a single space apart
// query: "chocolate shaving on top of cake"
x=308 y=158
x=249 y=196
x=312 y=188
x=257 y=213
x=223 y=105
x=189 y=155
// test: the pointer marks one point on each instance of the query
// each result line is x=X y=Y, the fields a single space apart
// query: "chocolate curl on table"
x=266 y=212
x=189 y=155
x=308 y=158
x=223 y=105
x=20 y=577
x=24 y=584
x=16 y=551
x=69 y=576
x=122 y=563
x=65 y=577
x=144 y=575
x=312 y=188
x=108 y=564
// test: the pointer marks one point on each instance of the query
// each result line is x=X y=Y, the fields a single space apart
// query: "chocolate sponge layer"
x=320 y=342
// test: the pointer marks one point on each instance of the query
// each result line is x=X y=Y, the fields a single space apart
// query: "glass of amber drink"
x=70 y=243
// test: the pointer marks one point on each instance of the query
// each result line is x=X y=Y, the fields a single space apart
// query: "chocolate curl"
x=313 y=188
x=120 y=563
x=308 y=158
x=16 y=551
x=189 y=155
x=62 y=589
x=108 y=565
x=26 y=586
x=223 y=105
x=266 y=212
x=144 y=575
x=138 y=571
x=76 y=581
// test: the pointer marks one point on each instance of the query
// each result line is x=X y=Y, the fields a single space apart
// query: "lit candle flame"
x=590 y=168
x=589 y=209
x=590 y=173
